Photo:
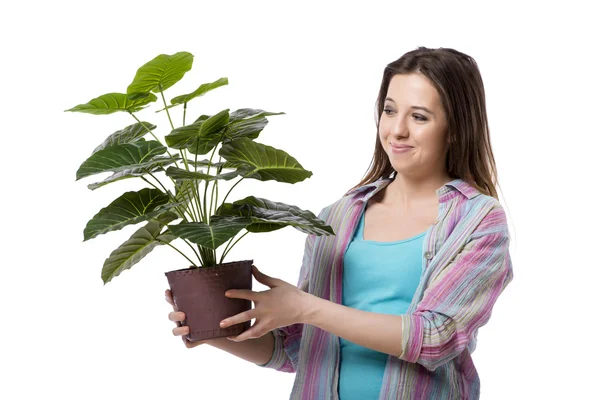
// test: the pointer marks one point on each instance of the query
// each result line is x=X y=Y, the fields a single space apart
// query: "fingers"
x=264 y=279
x=169 y=298
x=176 y=316
x=181 y=330
x=238 y=319
x=254 y=332
x=242 y=294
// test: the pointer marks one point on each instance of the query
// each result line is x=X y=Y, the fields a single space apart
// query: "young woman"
x=390 y=307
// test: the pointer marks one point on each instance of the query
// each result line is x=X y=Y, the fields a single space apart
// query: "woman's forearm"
x=257 y=351
x=379 y=332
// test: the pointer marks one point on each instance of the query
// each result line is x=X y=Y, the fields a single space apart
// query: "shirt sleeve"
x=460 y=297
x=287 y=338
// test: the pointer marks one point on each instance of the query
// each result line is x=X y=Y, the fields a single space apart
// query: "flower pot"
x=200 y=294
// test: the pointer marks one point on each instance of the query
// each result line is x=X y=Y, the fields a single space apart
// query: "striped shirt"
x=466 y=267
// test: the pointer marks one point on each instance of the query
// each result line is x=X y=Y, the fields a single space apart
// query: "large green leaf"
x=201 y=136
x=269 y=215
x=160 y=73
x=249 y=113
x=202 y=90
x=113 y=102
x=214 y=125
x=266 y=162
x=179 y=173
x=139 y=154
x=248 y=122
x=220 y=230
x=142 y=242
x=128 y=134
x=158 y=164
x=206 y=163
x=249 y=128
x=129 y=208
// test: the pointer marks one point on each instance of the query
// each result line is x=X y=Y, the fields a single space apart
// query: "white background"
x=66 y=335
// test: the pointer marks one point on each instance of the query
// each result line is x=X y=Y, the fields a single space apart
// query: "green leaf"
x=184 y=191
x=249 y=128
x=269 y=215
x=130 y=208
x=248 y=122
x=206 y=163
x=160 y=73
x=250 y=113
x=142 y=242
x=264 y=162
x=157 y=165
x=179 y=173
x=201 y=136
x=215 y=124
x=129 y=134
x=202 y=90
x=139 y=154
x=113 y=102
x=220 y=230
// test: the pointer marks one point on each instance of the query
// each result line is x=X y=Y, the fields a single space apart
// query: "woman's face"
x=413 y=115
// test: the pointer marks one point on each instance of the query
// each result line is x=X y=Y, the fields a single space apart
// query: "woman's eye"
x=387 y=110
x=420 y=117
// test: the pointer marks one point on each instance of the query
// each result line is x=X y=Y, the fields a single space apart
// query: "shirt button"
x=428 y=255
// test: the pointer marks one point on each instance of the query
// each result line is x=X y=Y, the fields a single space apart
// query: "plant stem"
x=194 y=250
x=169 y=244
x=166 y=108
x=181 y=214
x=184 y=110
x=152 y=133
x=195 y=197
x=232 y=189
x=227 y=250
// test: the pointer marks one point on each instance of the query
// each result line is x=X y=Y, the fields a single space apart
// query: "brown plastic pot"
x=200 y=294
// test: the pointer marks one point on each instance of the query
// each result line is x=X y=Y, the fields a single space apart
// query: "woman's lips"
x=400 y=150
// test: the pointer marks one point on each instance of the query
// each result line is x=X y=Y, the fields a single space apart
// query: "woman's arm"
x=458 y=301
x=257 y=351
x=380 y=332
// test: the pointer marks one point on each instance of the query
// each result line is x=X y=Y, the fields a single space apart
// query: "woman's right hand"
x=178 y=316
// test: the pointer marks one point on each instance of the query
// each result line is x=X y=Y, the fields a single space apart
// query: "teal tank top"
x=379 y=277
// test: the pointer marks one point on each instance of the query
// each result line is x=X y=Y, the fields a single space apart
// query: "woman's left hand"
x=282 y=305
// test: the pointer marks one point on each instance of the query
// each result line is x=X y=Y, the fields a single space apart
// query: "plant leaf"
x=269 y=215
x=265 y=162
x=201 y=136
x=129 y=208
x=182 y=174
x=184 y=190
x=220 y=230
x=157 y=165
x=139 y=154
x=202 y=90
x=160 y=73
x=142 y=242
x=249 y=128
x=128 y=134
x=249 y=113
x=213 y=125
x=248 y=122
x=112 y=102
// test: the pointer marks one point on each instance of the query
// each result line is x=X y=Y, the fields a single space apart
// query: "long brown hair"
x=456 y=77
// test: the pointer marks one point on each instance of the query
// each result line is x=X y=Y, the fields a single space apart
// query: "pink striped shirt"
x=466 y=266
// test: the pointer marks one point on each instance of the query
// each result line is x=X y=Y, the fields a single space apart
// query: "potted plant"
x=198 y=291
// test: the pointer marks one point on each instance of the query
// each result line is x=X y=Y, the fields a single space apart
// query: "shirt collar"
x=444 y=193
